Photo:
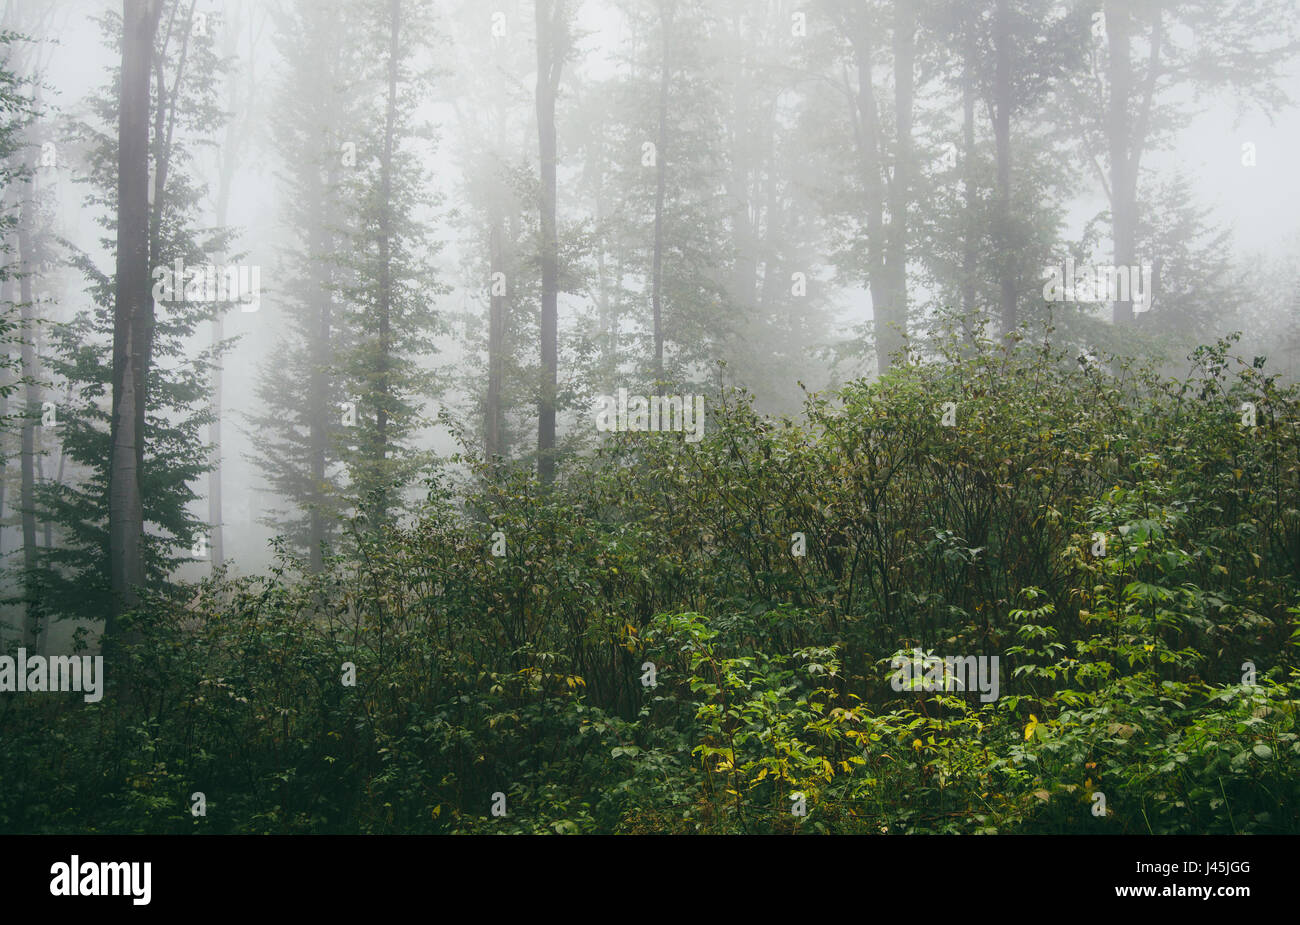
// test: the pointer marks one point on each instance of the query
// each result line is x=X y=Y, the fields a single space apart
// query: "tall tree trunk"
x=58 y=476
x=492 y=447
x=27 y=498
x=1126 y=137
x=661 y=176
x=744 y=245
x=164 y=127
x=1122 y=206
x=215 y=516
x=868 y=134
x=321 y=417
x=1002 y=106
x=7 y=298
x=383 y=385
x=550 y=61
x=970 y=221
x=608 y=360
x=767 y=288
x=900 y=189
x=229 y=161
x=132 y=300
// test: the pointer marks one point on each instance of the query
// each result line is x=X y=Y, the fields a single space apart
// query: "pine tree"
x=388 y=299
x=298 y=437
x=156 y=389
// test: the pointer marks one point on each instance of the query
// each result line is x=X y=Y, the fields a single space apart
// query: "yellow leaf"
x=1029 y=727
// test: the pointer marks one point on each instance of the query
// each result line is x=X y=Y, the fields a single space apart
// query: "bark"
x=1002 y=106
x=1120 y=77
x=900 y=189
x=215 y=516
x=27 y=497
x=970 y=216
x=132 y=301
x=164 y=119
x=492 y=442
x=383 y=385
x=868 y=135
x=229 y=160
x=661 y=168
x=1126 y=138
x=320 y=419
x=7 y=298
x=550 y=62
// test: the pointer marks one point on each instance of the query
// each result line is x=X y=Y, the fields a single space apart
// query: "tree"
x=1209 y=44
x=242 y=96
x=552 y=47
x=168 y=457
x=884 y=162
x=133 y=307
x=487 y=89
x=298 y=441
x=390 y=285
x=661 y=167
x=20 y=108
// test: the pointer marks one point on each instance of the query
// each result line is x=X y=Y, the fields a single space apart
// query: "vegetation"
x=526 y=674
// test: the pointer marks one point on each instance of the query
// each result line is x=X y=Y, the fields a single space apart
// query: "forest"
x=649 y=417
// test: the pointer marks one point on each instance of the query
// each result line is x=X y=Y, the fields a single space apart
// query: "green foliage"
x=1122 y=674
x=74 y=573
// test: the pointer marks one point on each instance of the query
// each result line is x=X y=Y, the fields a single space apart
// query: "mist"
x=530 y=336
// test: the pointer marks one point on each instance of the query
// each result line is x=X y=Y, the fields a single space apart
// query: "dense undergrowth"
x=1122 y=674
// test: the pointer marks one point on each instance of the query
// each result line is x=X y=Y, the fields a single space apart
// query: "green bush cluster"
x=1123 y=675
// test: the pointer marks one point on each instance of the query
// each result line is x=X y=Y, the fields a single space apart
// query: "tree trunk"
x=970 y=220
x=7 y=298
x=492 y=447
x=321 y=417
x=132 y=300
x=550 y=61
x=229 y=160
x=868 y=136
x=1122 y=190
x=383 y=385
x=1002 y=106
x=1127 y=138
x=661 y=167
x=900 y=188
x=215 y=516
x=27 y=497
